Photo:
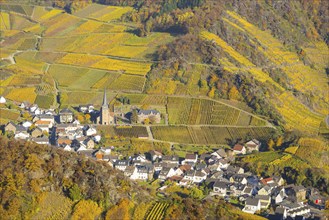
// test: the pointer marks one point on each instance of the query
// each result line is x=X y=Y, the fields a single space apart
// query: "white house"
x=139 y=158
x=223 y=164
x=155 y=155
x=252 y=205
x=26 y=124
x=199 y=177
x=253 y=145
x=22 y=135
x=279 y=196
x=190 y=159
x=90 y=131
x=220 y=153
x=121 y=164
x=239 y=178
x=239 y=149
x=2 y=100
x=266 y=190
x=82 y=148
x=265 y=201
x=97 y=138
x=33 y=108
x=41 y=140
x=166 y=172
x=67 y=148
x=140 y=173
x=220 y=188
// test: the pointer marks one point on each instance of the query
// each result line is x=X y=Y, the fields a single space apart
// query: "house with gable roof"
x=239 y=149
x=253 y=145
x=252 y=205
x=190 y=159
x=153 y=115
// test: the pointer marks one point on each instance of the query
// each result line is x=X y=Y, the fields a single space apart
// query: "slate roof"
x=191 y=156
x=222 y=185
x=221 y=152
x=252 y=202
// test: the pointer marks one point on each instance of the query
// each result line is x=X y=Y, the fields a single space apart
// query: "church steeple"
x=104 y=105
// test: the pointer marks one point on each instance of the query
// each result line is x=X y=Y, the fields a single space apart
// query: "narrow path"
x=148 y=129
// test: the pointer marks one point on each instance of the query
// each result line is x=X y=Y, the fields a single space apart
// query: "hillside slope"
x=41 y=182
x=271 y=55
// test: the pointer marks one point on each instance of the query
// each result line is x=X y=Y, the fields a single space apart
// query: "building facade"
x=106 y=117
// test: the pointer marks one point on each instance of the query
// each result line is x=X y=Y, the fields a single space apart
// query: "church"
x=106 y=117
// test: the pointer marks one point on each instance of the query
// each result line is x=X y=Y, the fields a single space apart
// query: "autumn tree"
x=211 y=93
x=196 y=193
x=233 y=93
x=147 y=121
x=270 y=144
x=140 y=211
x=119 y=211
x=279 y=141
x=86 y=209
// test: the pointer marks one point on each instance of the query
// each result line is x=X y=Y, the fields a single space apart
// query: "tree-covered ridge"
x=29 y=171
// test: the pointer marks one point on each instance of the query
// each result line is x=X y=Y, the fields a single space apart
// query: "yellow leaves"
x=119 y=211
x=183 y=17
x=310 y=142
x=87 y=27
x=234 y=93
x=22 y=94
x=33 y=162
x=246 y=64
x=131 y=67
x=291 y=149
x=86 y=210
x=171 y=87
x=80 y=59
x=5 y=21
x=140 y=211
x=50 y=14
x=211 y=93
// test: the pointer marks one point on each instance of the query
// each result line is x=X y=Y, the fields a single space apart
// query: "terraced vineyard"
x=8 y=115
x=207 y=134
x=92 y=47
x=192 y=111
x=302 y=77
x=157 y=211
x=124 y=131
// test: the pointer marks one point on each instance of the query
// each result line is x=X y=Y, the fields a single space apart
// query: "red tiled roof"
x=40 y=122
x=238 y=147
x=64 y=141
x=266 y=180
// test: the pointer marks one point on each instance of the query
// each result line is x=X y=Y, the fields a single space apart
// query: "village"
x=215 y=170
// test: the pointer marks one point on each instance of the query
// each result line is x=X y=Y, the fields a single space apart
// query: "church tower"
x=105 y=112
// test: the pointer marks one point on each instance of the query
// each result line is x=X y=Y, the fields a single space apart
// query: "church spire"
x=104 y=100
